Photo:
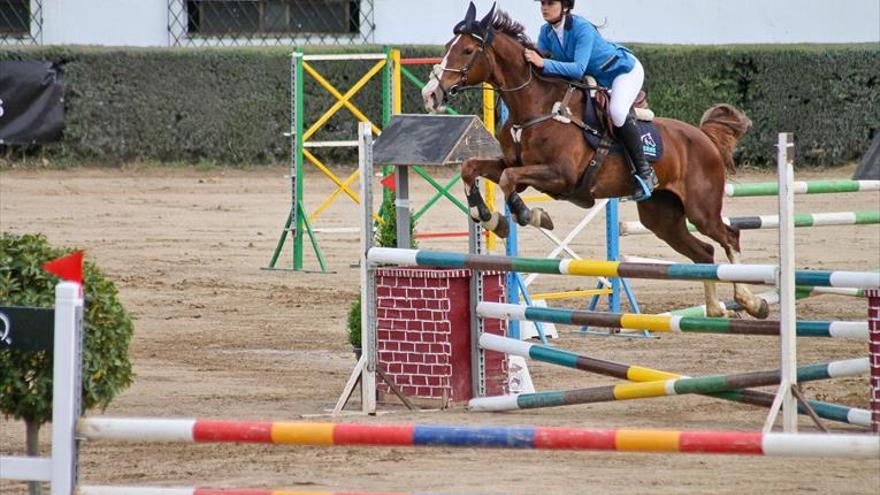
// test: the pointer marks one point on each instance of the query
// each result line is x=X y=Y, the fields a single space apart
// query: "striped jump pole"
x=749 y=274
x=771 y=297
x=568 y=359
x=669 y=323
x=496 y=437
x=801 y=187
x=766 y=222
x=679 y=386
x=139 y=490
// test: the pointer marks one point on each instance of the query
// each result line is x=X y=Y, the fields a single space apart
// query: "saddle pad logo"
x=649 y=145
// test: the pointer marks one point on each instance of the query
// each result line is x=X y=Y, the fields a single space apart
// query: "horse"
x=553 y=156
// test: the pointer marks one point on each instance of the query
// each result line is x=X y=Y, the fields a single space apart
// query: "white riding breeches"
x=624 y=91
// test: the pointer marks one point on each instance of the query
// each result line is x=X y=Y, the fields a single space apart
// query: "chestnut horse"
x=554 y=155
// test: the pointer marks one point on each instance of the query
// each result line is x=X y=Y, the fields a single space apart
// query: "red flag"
x=389 y=182
x=67 y=268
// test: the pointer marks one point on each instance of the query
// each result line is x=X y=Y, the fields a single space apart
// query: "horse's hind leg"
x=710 y=224
x=728 y=238
x=479 y=211
x=664 y=216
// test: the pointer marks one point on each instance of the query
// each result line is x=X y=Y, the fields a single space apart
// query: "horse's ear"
x=471 y=15
x=486 y=23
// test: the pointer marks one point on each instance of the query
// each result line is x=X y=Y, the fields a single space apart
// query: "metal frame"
x=34 y=36
x=393 y=70
x=299 y=222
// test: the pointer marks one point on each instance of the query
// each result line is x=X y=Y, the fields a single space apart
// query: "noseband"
x=465 y=71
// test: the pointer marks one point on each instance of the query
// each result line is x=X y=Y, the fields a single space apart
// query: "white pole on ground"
x=785 y=399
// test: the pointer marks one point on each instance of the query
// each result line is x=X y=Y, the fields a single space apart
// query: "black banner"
x=27 y=329
x=31 y=103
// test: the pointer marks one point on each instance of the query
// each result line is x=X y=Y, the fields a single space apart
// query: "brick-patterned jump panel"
x=423 y=332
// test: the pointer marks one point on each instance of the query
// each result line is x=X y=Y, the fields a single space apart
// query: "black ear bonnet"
x=482 y=29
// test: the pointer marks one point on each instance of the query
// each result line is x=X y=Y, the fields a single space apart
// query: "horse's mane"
x=503 y=23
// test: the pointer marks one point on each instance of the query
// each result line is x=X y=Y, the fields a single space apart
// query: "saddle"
x=598 y=130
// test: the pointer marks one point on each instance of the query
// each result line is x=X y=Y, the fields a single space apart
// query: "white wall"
x=655 y=21
x=144 y=22
x=105 y=22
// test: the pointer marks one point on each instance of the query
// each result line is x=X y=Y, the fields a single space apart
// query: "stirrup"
x=643 y=191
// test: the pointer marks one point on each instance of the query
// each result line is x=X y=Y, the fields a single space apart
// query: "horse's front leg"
x=545 y=178
x=471 y=170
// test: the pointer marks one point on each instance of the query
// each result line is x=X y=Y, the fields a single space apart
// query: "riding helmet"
x=566 y=4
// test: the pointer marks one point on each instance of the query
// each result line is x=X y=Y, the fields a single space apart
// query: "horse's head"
x=466 y=62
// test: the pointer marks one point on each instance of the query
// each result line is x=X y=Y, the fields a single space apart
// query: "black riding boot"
x=644 y=178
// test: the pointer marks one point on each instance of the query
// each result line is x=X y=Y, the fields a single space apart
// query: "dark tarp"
x=869 y=168
x=31 y=103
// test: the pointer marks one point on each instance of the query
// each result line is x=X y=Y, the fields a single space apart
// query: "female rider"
x=578 y=50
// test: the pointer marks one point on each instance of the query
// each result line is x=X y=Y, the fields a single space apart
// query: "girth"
x=561 y=112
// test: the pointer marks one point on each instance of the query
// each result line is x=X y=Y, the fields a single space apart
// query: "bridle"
x=462 y=85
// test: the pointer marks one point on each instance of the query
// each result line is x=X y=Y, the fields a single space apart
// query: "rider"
x=578 y=50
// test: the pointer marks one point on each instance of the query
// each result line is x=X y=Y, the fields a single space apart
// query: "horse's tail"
x=725 y=125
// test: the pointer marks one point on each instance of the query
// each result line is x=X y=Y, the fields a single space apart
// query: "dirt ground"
x=218 y=337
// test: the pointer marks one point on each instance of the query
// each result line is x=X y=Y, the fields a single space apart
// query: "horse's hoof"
x=541 y=219
x=716 y=313
x=763 y=311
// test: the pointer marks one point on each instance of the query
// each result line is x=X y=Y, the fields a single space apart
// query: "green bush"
x=386 y=236
x=26 y=376
x=232 y=105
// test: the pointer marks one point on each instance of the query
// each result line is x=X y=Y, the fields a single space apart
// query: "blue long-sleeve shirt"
x=584 y=52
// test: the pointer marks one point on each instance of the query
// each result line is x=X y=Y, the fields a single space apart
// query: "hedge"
x=232 y=105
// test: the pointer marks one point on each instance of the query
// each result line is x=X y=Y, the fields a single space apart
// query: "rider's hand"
x=533 y=58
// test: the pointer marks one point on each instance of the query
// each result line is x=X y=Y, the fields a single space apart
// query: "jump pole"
x=749 y=274
x=768 y=222
x=674 y=324
x=801 y=187
x=679 y=386
x=481 y=437
x=140 y=490
x=559 y=357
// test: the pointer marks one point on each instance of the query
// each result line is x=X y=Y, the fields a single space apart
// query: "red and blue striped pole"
x=497 y=437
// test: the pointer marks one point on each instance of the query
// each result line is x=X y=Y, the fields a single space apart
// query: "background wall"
x=144 y=22
x=653 y=21
x=105 y=22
